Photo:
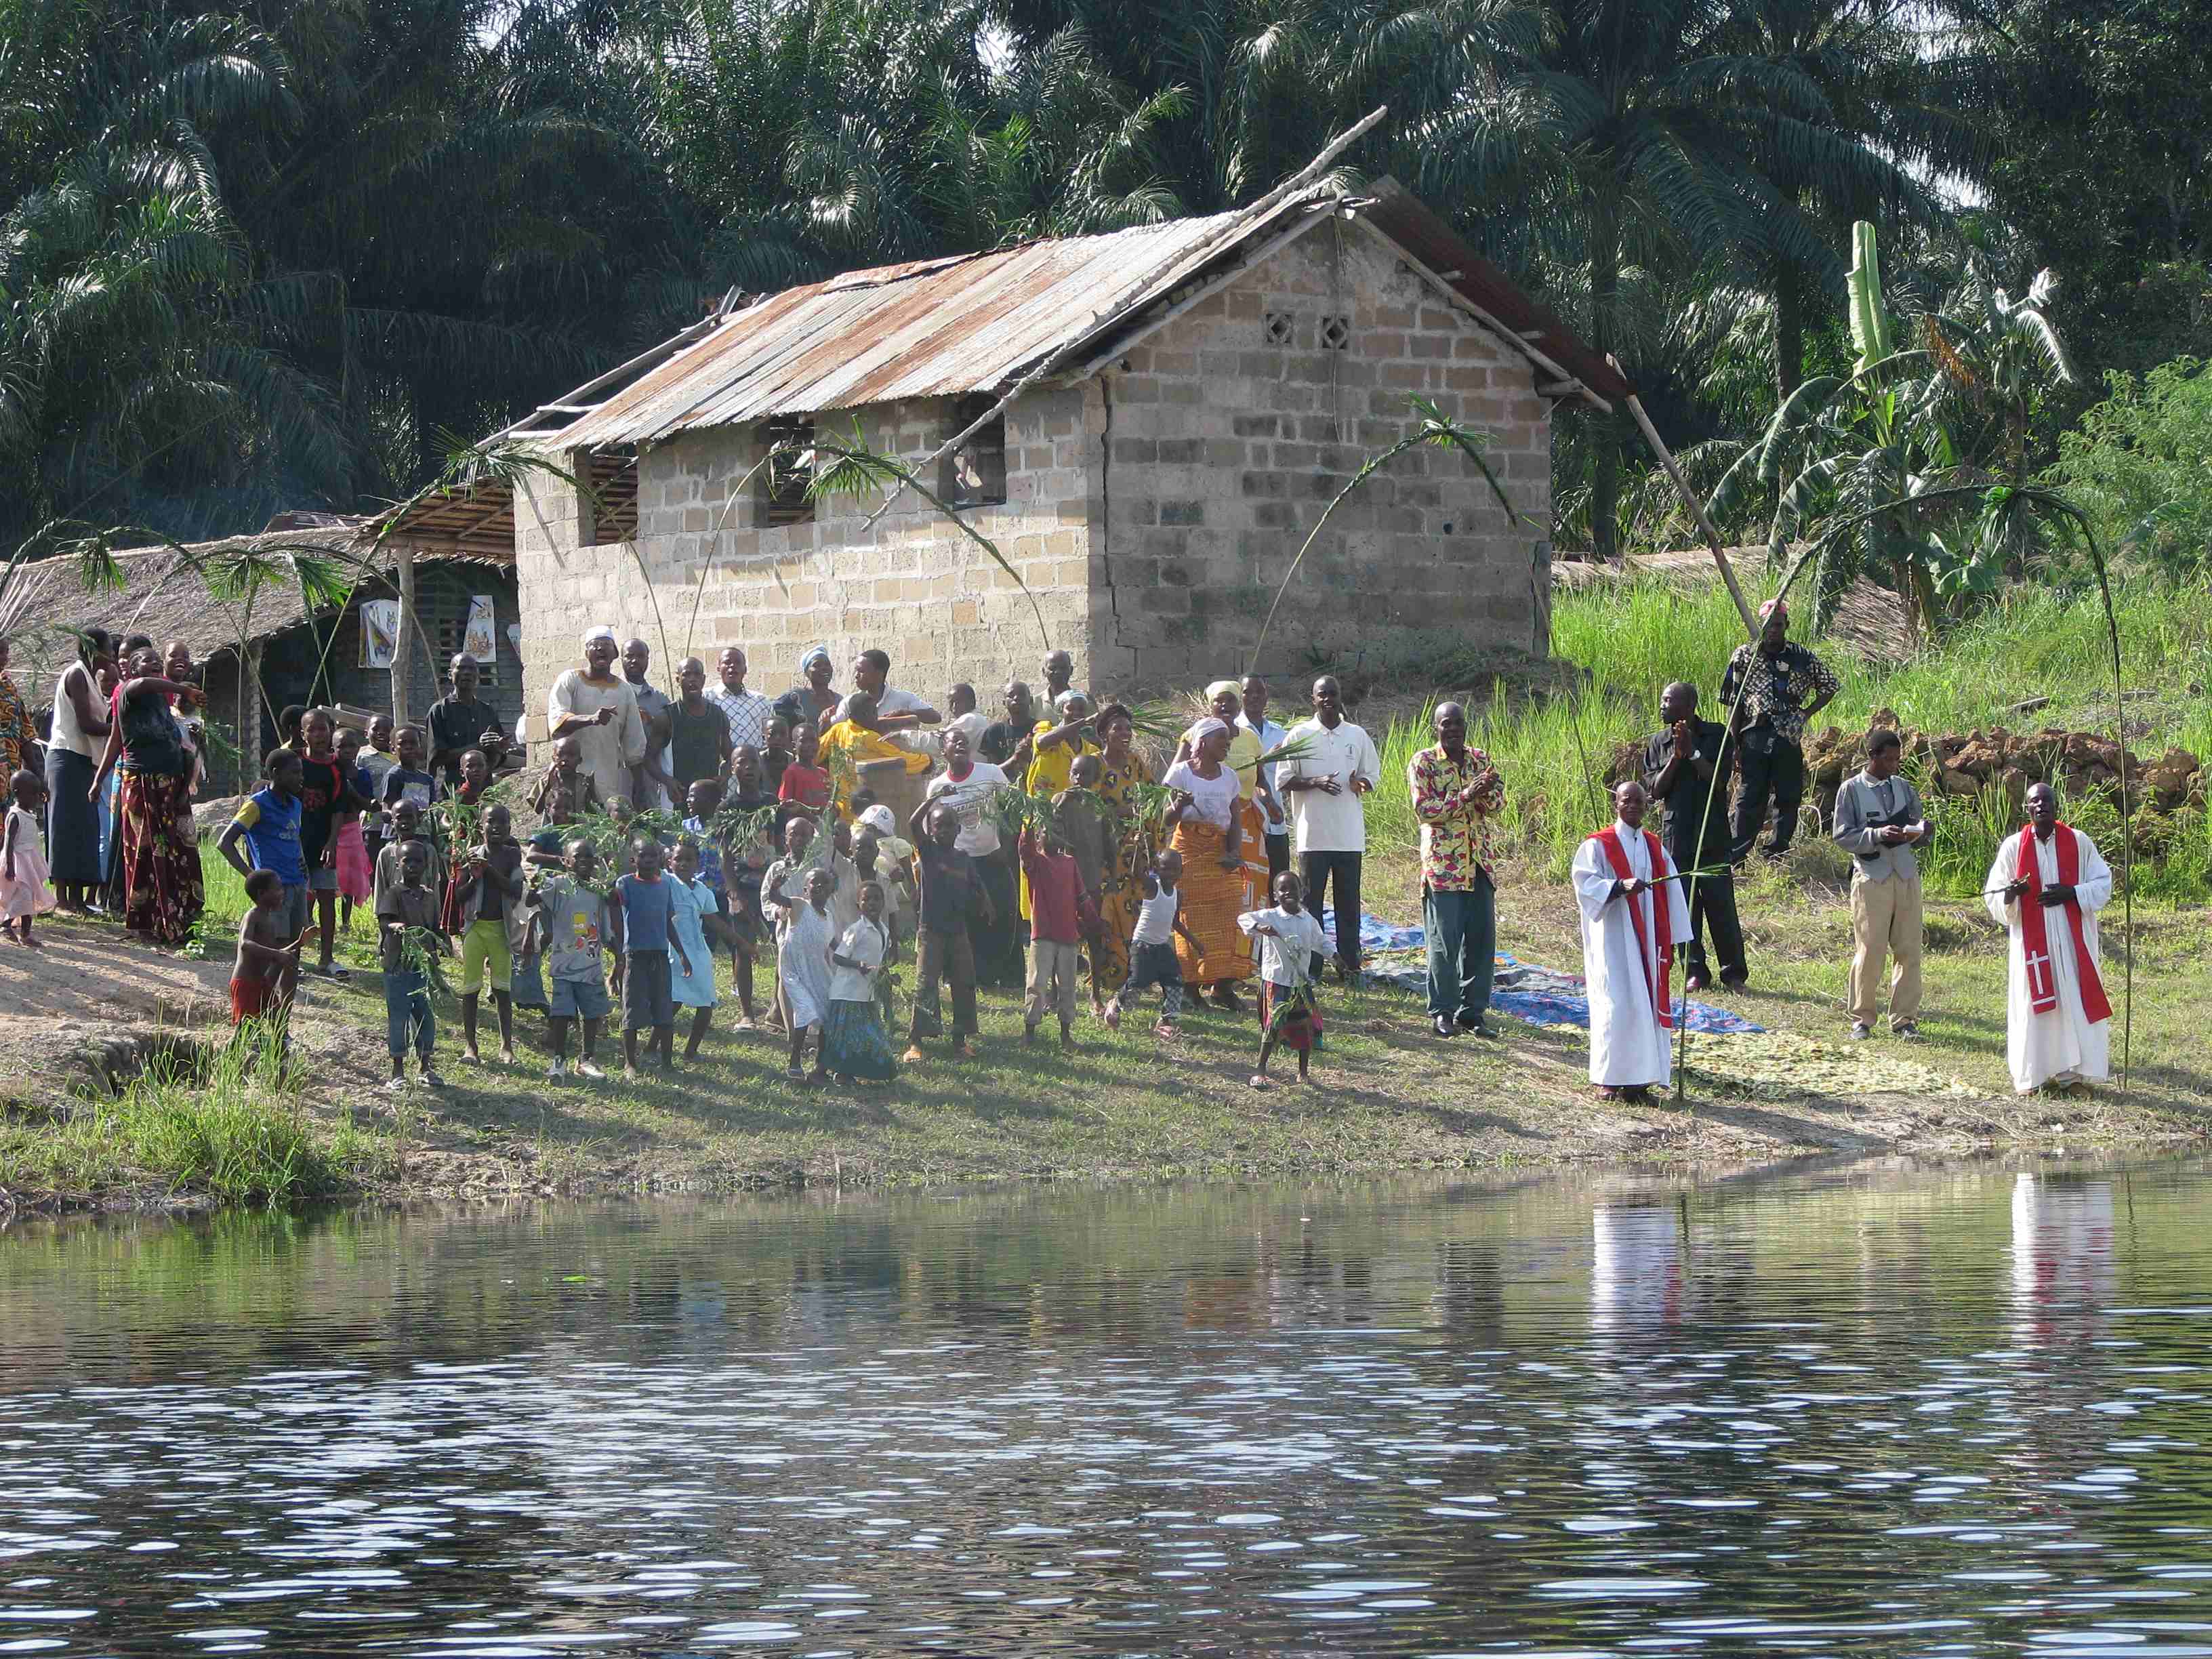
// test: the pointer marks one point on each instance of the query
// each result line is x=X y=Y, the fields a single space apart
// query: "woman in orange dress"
x=1225 y=864
x=1130 y=844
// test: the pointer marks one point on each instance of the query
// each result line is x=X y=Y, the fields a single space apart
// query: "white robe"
x=2062 y=1045
x=1628 y=1045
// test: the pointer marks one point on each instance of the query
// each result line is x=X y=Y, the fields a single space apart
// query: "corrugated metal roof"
x=928 y=329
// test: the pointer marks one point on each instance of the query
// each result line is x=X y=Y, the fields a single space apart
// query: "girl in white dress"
x=806 y=969
x=24 y=890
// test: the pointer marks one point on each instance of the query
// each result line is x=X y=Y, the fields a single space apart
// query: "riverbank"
x=1390 y=1096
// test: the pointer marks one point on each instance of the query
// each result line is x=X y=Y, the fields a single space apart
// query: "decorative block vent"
x=1336 y=333
x=1276 y=325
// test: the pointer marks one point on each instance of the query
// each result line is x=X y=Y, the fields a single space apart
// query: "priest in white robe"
x=2046 y=886
x=1632 y=917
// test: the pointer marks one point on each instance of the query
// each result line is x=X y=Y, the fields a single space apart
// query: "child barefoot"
x=1059 y=912
x=569 y=937
x=692 y=915
x=1151 y=946
x=854 y=1043
x=1290 y=941
x=645 y=952
x=409 y=914
x=486 y=887
x=805 y=970
x=24 y=890
x=266 y=970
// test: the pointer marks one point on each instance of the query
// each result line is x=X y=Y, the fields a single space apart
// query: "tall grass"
x=2033 y=644
x=230 y=1125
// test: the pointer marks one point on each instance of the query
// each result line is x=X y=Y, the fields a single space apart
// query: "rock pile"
x=1966 y=765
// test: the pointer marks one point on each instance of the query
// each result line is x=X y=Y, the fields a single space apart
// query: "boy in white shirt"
x=1151 y=946
x=1290 y=941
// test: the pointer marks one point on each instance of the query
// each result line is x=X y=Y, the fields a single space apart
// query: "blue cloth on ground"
x=1539 y=995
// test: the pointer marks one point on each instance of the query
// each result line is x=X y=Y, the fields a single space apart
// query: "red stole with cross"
x=1659 y=956
x=2035 y=939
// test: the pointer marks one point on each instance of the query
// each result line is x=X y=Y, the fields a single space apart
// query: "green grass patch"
x=226 y=1122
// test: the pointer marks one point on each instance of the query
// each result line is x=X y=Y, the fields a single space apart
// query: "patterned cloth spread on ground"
x=1539 y=995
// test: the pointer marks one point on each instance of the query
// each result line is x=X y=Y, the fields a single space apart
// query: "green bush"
x=2139 y=462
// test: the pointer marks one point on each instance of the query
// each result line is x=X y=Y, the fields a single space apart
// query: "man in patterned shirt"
x=1456 y=792
x=1783 y=686
x=747 y=712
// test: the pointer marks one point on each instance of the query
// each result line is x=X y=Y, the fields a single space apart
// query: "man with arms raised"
x=1632 y=915
x=2046 y=886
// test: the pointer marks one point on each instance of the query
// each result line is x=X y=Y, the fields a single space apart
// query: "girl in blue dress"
x=692 y=912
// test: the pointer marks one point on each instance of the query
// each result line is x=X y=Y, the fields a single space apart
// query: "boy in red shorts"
x=267 y=969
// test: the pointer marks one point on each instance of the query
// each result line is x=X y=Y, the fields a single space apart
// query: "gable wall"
x=1222 y=449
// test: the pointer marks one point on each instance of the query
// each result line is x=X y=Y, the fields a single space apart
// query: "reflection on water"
x=1954 y=1412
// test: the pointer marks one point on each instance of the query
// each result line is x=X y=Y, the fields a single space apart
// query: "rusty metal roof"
x=927 y=329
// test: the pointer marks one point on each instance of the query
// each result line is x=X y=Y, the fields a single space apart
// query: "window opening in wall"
x=974 y=473
x=1336 y=333
x=611 y=510
x=1276 y=326
x=790 y=444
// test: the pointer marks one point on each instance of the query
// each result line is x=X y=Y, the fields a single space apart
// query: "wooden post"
x=401 y=648
x=1712 y=536
x=249 y=713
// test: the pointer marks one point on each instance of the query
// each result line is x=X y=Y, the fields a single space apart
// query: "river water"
x=1947 y=1413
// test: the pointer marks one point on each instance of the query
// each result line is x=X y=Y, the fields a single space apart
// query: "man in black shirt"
x=462 y=721
x=1684 y=763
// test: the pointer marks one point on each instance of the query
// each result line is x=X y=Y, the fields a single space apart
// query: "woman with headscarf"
x=1130 y=845
x=1225 y=863
x=19 y=737
x=80 y=733
x=157 y=856
x=816 y=697
x=598 y=707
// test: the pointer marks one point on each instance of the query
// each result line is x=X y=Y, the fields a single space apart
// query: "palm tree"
x=1630 y=128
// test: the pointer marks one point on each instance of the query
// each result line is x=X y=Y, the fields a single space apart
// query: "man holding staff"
x=1632 y=912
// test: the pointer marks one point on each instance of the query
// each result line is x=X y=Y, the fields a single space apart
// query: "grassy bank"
x=1634 y=640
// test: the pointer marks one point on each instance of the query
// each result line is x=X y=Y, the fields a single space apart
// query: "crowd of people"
x=1042 y=854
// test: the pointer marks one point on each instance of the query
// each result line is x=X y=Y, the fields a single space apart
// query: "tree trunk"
x=402 y=712
x=1604 y=433
x=1788 y=338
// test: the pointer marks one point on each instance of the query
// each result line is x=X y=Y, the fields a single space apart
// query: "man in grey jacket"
x=1879 y=821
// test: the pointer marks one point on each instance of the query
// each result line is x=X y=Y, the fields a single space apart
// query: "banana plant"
x=1887 y=453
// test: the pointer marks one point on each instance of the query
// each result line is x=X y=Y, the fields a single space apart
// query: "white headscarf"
x=1206 y=728
x=601 y=632
x=878 y=818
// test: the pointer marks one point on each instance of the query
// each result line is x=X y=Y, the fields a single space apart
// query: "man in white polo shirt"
x=1324 y=786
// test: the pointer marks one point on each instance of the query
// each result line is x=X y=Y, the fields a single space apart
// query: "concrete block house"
x=1147 y=424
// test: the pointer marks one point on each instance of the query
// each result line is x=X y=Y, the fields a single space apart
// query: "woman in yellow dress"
x=856 y=738
x=1132 y=843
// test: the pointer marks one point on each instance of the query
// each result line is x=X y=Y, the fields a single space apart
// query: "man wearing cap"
x=597 y=706
x=1783 y=686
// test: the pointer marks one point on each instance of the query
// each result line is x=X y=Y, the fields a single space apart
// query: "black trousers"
x=1712 y=908
x=1340 y=871
x=1778 y=774
x=1279 y=860
x=998 y=945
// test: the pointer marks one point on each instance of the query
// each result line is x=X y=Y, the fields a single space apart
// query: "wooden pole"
x=249 y=713
x=401 y=647
x=1712 y=535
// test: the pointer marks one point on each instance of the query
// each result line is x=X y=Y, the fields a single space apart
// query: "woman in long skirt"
x=1225 y=864
x=80 y=731
x=854 y=1044
x=158 y=855
x=1130 y=845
